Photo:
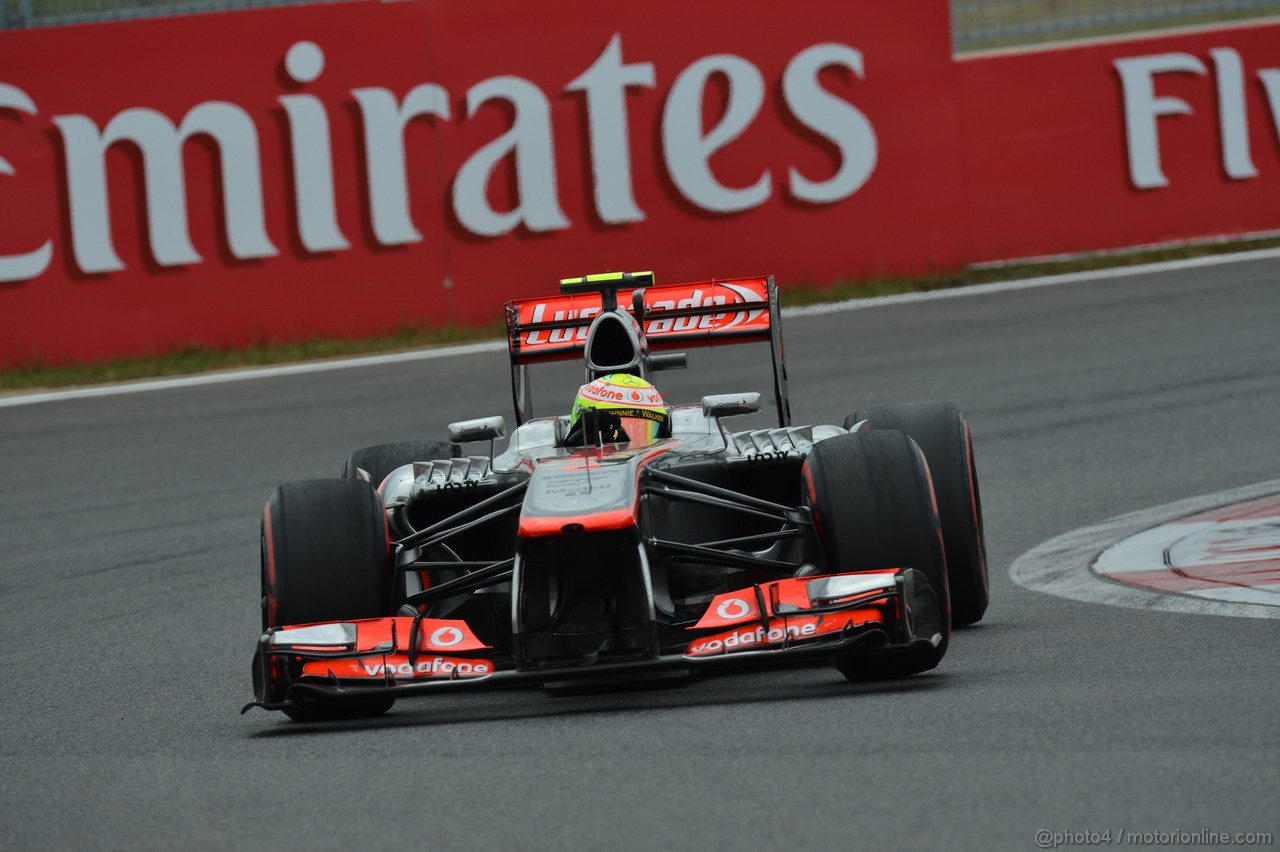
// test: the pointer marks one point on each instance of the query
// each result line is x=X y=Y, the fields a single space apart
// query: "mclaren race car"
x=629 y=540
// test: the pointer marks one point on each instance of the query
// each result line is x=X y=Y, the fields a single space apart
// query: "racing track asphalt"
x=128 y=587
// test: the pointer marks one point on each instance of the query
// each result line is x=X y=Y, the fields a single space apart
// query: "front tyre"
x=873 y=508
x=326 y=557
x=943 y=433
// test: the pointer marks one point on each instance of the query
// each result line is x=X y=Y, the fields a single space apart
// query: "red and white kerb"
x=1227 y=554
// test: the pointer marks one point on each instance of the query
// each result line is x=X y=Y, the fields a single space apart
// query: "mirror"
x=729 y=404
x=480 y=429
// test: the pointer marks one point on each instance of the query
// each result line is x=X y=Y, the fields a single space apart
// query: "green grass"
x=985 y=24
x=978 y=24
x=841 y=291
x=201 y=359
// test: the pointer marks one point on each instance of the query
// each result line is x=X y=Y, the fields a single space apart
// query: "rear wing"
x=706 y=313
x=717 y=312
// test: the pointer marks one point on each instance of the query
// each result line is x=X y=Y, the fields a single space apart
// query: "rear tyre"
x=873 y=508
x=325 y=557
x=381 y=459
x=943 y=433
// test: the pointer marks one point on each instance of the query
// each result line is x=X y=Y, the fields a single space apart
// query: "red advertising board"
x=346 y=169
x=1122 y=142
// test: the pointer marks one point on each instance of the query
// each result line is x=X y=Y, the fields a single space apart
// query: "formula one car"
x=630 y=540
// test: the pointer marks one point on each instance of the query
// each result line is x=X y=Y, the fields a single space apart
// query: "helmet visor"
x=639 y=431
x=635 y=426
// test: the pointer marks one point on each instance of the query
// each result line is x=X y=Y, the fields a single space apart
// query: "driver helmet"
x=618 y=408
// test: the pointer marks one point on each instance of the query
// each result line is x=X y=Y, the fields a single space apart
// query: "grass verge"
x=985 y=274
x=36 y=375
x=998 y=24
x=199 y=359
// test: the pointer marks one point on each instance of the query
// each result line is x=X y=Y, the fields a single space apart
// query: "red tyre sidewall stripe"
x=973 y=504
x=423 y=576
x=937 y=518
x=271 y=564
x=807 y=472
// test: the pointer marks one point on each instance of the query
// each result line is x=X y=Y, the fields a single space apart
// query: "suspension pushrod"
x=461 y=528
x=751 y=539
x=720 y=502
x=720 y=557
x=498 y=572
x=427 y=532
x=445 y=566
x=724 y=493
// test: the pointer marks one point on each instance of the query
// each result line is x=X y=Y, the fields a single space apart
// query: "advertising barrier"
x=347 y=169
x=1121 y=143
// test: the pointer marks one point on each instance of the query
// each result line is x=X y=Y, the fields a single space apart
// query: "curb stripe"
x=1062 y=566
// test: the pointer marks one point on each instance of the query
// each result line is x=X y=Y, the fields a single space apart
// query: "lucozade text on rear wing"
x=716 y=312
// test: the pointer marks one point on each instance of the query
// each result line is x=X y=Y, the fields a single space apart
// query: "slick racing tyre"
x=381 y=459
x=943 y=433
x=325 y=557
x=872 y=508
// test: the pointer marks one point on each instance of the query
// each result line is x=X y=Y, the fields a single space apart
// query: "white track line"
x=252 y=373
x=498 y=345
x=1034 y=283
x=1061 y=566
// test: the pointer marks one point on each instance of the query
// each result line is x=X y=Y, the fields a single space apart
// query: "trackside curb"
x=1063 y=565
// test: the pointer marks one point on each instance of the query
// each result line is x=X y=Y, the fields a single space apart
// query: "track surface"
x=128 y=583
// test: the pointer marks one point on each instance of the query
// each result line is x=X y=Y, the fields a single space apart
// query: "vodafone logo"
x=743 y=638
x=436 y=667
x=733 y=608
x=446 y=637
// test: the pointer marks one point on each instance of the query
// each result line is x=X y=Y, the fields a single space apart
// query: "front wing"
x=828 y=616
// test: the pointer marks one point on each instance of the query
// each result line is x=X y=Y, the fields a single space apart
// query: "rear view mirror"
x=729 y=404
x=480 y=429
